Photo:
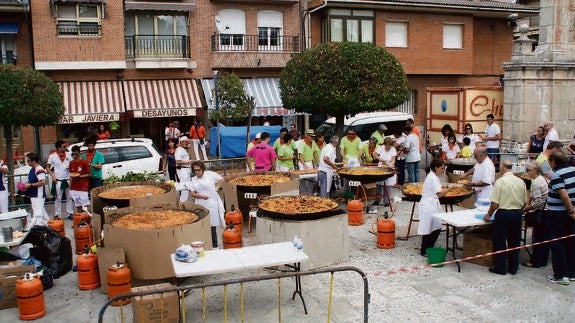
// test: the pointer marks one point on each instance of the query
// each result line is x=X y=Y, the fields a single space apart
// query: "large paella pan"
x=456 y=193
x=366 y=174
x=120 y=195
x=252 y=181
x=297 y=207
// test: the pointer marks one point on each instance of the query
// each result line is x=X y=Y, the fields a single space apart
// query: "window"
x=156 y=35
x=452 y=36
x=350 y=25
x=232 y=36
x=79 y=19
x=270 y=25
x=7 y=49
x=396 y=34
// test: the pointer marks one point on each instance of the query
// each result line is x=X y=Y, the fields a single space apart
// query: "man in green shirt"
x=285 y=155
x=350 y=148
x=308 y=151
x=95 y=160
x=279 y=141
x=379 y=134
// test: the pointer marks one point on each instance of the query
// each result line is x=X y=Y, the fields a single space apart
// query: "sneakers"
x=562 y=281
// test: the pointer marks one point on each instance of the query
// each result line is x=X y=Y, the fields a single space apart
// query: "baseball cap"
x=258 y=135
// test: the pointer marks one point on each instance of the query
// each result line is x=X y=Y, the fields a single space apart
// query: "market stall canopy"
x=233 y=139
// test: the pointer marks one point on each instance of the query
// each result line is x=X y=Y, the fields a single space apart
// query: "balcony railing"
x=80 y=29
x=157 y=46
x=254 y=43
x=8 y=57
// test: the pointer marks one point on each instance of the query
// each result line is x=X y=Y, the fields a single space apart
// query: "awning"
x=162 y=98
x=8 y=27
x=144 y=5
x=265 y=91
x=54 y=2
x=92 y=101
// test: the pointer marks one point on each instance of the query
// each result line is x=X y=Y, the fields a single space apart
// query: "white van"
x=366 y=123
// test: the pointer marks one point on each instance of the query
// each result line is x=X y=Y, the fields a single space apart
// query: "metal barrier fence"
x=184 y=289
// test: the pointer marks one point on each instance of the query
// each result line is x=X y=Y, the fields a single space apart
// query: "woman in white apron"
x=204 y=189
x=386 y=154
x=430 y=227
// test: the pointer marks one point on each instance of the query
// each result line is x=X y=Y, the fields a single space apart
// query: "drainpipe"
x=304 y=14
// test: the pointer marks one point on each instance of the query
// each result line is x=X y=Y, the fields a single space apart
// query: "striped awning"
x=162 y=98
x=92 y=101
x=265 y=91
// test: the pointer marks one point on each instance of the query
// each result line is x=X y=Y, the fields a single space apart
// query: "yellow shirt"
x=466 y=152
x=509 y=192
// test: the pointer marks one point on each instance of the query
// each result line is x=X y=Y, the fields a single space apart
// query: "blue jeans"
x=507 y=234
x=413 y=171
x=493 y=154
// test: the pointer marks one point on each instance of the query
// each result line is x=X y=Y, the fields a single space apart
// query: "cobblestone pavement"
x=430 y=294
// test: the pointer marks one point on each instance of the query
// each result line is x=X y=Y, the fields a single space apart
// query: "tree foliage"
x=28 y=98
x=232 y=102
x=343 y=78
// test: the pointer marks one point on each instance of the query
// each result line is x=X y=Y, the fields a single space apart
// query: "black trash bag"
x=53 y=250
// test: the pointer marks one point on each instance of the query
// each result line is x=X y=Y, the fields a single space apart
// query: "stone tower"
x=540 y=83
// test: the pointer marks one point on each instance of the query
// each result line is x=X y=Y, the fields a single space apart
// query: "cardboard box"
x=157 y=307
x=8 y=277
x=97 y=204
x=106 y=258
x=232 y=195
x=478 y=241
x=148 y=252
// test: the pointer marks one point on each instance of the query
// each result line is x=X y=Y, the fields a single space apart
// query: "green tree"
x=343 y=79
x=27 y=98
x=231 y=102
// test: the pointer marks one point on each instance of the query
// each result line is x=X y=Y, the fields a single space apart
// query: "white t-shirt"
x=181 y=154
x=60 y=167
x=492 y=130
x=552 y=135
x=484 y=172
x=451 y=153
x=412 y=142
x=329 y=152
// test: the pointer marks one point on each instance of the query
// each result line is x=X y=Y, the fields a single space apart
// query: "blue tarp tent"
x=233 y=139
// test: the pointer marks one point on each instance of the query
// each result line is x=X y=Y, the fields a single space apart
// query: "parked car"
x=121 y=156
x=366 y=123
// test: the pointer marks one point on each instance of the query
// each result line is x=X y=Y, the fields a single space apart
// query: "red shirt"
x=81 y=167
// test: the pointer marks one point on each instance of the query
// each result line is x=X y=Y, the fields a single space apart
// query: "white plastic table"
x=464 y=219
x=247 y=258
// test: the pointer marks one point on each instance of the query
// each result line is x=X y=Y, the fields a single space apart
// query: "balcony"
x=157 y=46
x=81 y=29
x=254 y=43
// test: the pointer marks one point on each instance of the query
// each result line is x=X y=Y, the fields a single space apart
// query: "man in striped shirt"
x=561 y=218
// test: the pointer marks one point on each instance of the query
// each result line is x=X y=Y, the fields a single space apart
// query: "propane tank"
x=88 y=273
x=231 y=237
x=236 y=217
x=355 y=212
x=385 y=232
x=83 y=236
x=58 y=225
x=119 y=282
x=78 y=217
x=30 y=297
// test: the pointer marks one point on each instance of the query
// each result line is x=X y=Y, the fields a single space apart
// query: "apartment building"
x=143 y=63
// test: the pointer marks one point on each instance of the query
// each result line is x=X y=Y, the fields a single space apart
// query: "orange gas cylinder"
x=235 y=216
x=119 y=282
x=83 y=236
x=30 y=297
x=88 y=273
x=355 y=212
x=232 y=238
x=385 y=232
x=78 y=217
x=58 y=225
